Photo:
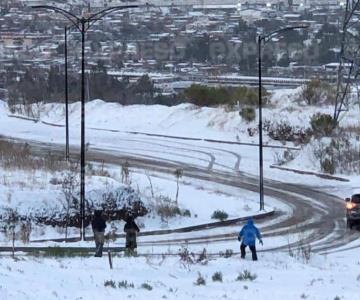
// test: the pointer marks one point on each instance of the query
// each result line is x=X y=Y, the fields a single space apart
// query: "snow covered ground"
x=277 y=274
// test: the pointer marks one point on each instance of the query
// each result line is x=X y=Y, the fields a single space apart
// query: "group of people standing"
x=247 y=235
x=98 y=225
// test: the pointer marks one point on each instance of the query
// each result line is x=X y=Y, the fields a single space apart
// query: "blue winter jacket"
x=249 y=233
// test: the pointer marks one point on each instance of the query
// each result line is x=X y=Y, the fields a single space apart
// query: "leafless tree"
x=178 y=174
x=125 y=173
x=69 y=185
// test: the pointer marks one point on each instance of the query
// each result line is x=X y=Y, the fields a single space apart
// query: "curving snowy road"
x=316 y=218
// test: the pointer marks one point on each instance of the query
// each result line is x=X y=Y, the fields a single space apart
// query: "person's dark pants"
x=131 y=241
x=99 y=237
x=253 y=251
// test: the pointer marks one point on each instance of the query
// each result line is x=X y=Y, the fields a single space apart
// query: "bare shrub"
x=305 y=252
x=246 y=276
x=248 y=114
x=301 y=250
x=338 y=156
x=317 y=92
x=203 y=257
x=200 y=280
x=110 y=283
x=125 y=285
x=30 y=110
x=146 y=286
x=25 y=231
x=69 y=186
x=12 y=220
x=285 y=157
x=98 y=171
x=125 y=173
x=166 y=208
x=151 y=185
x=284 y=131
x=18 y=156
x=228 y=253
x=219 y=215
x=217 y=276
x=185 y=256
x=322 y=124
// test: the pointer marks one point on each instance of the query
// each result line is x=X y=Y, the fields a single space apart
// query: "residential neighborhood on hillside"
x=196 y=41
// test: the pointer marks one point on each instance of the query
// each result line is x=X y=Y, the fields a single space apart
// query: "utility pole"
x=67 y=148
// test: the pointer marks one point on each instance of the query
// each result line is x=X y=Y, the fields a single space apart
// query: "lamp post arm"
x=70 y=16
x=272 y=34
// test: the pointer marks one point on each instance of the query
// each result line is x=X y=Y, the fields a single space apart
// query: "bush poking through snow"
x=322 y=124
x=186 y=256
x=125 y=285
x=219 y=215
x=110 y=283
x=203 y=257
x=167 y=209
x=228 y=253
x=248 y=114
x=217 y=276
x=200 y=280
x=285 y=157
x=337 y=156
x=146 y=286
x=316 y=92
x=246 y=276
x=283 y=131
x=303 y=250
x=186 y=213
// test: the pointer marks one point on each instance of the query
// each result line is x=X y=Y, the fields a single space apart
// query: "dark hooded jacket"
x=98 y=223
x=131 y=227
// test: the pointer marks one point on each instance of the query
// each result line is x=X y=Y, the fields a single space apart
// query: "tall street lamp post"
x=263 y=39
x=66 y=99
x=83 y=24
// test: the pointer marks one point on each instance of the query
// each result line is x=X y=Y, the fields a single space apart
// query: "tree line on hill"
x=38 y=86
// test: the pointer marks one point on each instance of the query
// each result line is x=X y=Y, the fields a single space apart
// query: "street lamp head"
x=272 y=34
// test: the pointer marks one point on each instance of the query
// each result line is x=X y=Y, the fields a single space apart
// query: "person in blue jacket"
x=247 y=237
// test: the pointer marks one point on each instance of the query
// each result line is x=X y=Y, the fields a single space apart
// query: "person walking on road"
x=247 y=237
x=98 y=226
x=131 y=230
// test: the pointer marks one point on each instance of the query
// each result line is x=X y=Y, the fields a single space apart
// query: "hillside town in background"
x=154 y=52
